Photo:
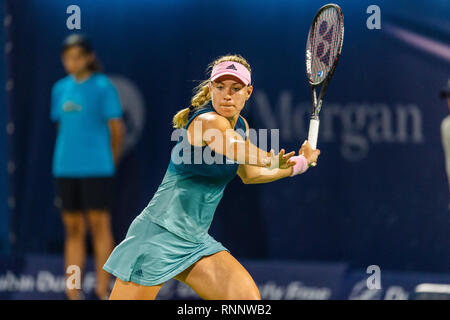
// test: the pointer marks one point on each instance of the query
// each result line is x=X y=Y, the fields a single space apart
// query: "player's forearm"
x=231 y=145
x=267 y=175
x=244 y=152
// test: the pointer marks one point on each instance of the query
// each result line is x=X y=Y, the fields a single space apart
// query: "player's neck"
x=233 y=120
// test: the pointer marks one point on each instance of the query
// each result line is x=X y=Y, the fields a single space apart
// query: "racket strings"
x=323 y=43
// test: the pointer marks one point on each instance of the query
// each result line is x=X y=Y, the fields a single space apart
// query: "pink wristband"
x=301 y=165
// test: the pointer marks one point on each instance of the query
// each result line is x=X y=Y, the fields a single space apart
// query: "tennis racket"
x=323 y=48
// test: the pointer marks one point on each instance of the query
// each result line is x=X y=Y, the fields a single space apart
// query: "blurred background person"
x=445 y=132
x=86 y=108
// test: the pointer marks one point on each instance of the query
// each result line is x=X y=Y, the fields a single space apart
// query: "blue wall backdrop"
x=379 y=194
x=4 y=219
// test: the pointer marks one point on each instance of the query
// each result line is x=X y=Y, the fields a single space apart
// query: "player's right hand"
x=307 y=151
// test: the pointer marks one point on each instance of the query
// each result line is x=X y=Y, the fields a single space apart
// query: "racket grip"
x=313 y=135
x=313 y=132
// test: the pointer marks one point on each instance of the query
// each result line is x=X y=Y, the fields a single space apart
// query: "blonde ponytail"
x=181 y=118
x=202 y=95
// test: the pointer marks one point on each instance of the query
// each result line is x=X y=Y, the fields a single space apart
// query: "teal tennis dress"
x=171 y=233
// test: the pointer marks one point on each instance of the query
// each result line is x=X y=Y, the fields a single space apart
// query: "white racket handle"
x=313 y=135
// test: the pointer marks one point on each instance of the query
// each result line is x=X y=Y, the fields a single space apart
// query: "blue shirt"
x=82 y=109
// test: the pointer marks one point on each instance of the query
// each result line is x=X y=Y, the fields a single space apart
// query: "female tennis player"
x=170 y=239
x=87 y=110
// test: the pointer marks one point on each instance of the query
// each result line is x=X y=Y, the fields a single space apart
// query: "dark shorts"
x=81 y=194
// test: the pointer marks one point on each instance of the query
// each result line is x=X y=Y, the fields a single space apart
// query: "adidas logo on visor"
x=231 y=66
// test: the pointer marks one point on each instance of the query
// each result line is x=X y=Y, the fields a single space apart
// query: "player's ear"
x=249 y=91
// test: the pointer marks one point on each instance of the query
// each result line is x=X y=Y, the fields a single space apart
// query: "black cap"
x=78 y=40
x=445 y=92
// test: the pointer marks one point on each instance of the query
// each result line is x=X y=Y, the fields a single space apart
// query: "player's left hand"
x=282 y=158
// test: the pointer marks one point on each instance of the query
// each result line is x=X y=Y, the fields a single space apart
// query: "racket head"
x=324 y=43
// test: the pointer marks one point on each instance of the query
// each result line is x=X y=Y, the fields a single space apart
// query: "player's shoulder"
x=245 y=121
x=211 y=116
x=213 y=120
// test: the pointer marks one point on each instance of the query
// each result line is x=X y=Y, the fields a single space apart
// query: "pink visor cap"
x=231 y=68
